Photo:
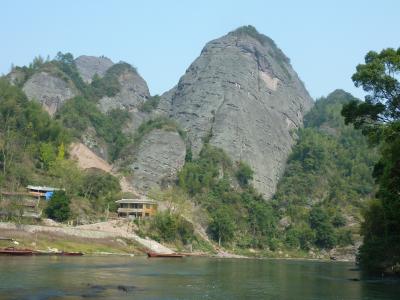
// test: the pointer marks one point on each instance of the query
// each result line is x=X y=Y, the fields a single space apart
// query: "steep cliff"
x=49 y=90
x=158 y=159
x=132 y=93
x=242 y=95
x=88 y=66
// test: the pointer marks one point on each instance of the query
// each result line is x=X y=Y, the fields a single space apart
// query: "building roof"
x=138 y=201
x=42 y=188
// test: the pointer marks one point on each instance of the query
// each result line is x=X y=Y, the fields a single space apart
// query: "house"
x=19 y=204
x=136 y=208
x=44 y=192
x=25 y=204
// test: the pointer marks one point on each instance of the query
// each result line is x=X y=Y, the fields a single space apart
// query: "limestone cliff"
x=88 y=66
x=158 y=159
x=133 y=91
x=49 y=90
x=243 y=96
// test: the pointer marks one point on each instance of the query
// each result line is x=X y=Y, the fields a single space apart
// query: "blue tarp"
x=48 y=195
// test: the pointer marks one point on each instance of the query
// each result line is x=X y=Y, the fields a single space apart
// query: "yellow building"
x=136 y=208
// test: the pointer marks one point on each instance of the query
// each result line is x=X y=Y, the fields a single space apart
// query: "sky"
x=324 y=40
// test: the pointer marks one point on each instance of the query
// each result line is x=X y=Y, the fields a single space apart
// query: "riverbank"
x=118 y=238
x=61 y=242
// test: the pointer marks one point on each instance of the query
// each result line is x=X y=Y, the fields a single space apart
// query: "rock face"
x=49 y=90
x=90 y=65
x=159 y=157
x=134 y=91
x=243 y=93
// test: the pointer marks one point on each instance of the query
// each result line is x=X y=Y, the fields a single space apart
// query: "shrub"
x=244 y=174
x=150 y=104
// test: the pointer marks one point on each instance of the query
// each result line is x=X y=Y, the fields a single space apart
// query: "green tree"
x=47 y=155
x=101 y=188
x=58 y=207
x=379 y=118
x=320 y=223
x=222 y=226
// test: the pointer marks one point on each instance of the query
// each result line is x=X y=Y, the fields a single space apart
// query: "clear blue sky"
x=325 y=40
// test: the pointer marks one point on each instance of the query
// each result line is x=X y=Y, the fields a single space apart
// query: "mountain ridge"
x=241 y=89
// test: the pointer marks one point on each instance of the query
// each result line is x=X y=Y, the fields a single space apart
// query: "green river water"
x=40 y=278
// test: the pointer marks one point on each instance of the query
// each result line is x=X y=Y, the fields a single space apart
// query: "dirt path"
x=123 y=228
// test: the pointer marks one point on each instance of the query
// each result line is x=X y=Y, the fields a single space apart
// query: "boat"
x=15 y=251
x=71 y=253
x=155 y=254
x=57 y=253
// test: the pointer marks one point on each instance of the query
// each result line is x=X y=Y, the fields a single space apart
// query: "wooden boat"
x=59 y=253
x=71 y=253
x=15 y=251
x=155 y=254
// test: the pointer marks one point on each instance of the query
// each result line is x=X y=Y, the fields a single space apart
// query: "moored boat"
x=155 y=254
x=57 y=253
x=71 y=253
x=15 y=251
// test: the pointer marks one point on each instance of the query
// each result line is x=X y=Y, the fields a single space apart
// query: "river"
x=42 y=278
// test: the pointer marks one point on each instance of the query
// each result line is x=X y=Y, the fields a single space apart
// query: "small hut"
x=140 y=208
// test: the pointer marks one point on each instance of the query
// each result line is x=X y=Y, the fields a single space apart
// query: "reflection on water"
x=40 y=278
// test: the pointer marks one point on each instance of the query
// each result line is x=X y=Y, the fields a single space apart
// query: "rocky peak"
x=242 y=95
x=133 y=89
x=88 y=66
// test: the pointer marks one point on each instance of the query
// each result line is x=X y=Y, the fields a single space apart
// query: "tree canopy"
x=379 y=118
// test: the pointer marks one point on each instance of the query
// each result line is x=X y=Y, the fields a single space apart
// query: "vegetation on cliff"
x=82 y=112
x=238 y=215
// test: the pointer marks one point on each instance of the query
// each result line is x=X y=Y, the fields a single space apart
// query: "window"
x=147 y=215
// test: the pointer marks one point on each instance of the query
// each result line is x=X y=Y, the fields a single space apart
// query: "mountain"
x=238 y=129
x=243 y=96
